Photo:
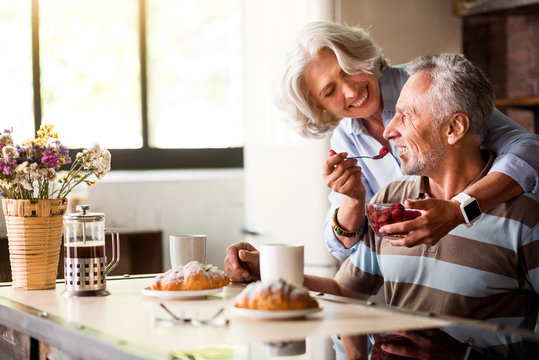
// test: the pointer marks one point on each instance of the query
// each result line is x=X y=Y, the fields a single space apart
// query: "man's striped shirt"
x=489 y=271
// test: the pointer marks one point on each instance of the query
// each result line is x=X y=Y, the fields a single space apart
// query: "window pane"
x=195 y=73
x=90 y=71
x=16 y=98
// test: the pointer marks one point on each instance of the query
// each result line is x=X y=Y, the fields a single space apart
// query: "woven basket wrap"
x=34 y=230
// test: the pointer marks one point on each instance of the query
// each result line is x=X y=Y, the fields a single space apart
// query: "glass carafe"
x=85 y=260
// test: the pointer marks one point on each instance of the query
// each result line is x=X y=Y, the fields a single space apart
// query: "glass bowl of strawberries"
x=379 y=214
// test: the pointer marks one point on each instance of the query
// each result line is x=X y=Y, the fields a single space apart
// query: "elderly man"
x=487 y=270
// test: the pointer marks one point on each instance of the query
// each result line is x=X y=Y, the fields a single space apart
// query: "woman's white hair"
x=355 y=52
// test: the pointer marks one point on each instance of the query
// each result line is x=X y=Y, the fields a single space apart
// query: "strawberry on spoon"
x=383 y=152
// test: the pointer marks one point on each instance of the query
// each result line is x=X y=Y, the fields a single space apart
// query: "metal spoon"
x=375 y=157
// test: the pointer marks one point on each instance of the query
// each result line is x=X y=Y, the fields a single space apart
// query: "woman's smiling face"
x=344 y=95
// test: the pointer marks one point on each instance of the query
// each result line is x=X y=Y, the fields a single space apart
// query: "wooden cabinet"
x=5 y=268
x=13 y=344
x=140 y=253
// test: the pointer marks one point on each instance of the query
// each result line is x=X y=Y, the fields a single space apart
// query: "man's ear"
x=458 y=125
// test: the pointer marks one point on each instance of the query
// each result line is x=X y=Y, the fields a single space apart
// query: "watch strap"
x=462 y=197
x=469 y=208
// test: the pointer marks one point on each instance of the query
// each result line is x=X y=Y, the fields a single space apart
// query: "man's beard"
x=420 y=164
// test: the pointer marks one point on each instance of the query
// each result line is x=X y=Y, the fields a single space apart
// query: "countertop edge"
x=74 y=339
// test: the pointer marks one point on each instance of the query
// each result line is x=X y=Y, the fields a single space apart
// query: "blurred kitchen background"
x=181 y=91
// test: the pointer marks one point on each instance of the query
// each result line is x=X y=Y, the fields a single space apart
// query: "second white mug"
x=187 y=247
x=282 y=261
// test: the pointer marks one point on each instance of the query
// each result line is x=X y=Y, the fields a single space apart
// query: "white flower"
x=22 y=168
x=95 y=159
x=32 y=168
x=50 y=173
x=25 y=183
x=33 y=171
x=6 y=138
x=95 y=149
x=106 y=159
x=10 y=150
x=39 y=174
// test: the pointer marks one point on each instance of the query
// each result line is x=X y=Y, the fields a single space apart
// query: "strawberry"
x=387 y=213
x=397 y=212
x=383 y=151
x=383 y=220
x=411 y=214
x=374 y=217
x=394 y=213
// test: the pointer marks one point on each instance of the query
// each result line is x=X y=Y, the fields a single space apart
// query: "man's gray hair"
x=355 y=52
x=457 y=86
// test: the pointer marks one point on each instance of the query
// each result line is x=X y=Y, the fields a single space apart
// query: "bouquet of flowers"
x=29 y=171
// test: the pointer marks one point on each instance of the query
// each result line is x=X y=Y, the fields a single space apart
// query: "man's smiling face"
x=414 y=129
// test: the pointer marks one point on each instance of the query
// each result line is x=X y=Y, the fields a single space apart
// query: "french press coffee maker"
x=85 y=261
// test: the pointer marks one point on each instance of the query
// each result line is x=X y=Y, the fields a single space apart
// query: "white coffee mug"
x=286 y=348
x=187 y=247
x=282 y=261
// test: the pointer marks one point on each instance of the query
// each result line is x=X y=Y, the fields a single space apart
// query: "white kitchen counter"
x=121 y=326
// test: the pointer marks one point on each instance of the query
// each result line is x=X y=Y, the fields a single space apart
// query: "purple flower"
x=21 y=150
x=34 y=154
x=7 y=166
x=63 y=153
x=22 y=154
x=51 y=161
x=6 y=169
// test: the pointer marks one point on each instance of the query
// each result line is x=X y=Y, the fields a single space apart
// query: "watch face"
x=472 y=210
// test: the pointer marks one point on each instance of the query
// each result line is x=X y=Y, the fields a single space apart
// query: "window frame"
x=146 y=157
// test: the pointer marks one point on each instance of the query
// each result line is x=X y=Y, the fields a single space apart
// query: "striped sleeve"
x=530 y=255
x=526 y=210
x=361 y=271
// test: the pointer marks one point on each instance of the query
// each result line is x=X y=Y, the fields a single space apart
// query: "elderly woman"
x=336 y=79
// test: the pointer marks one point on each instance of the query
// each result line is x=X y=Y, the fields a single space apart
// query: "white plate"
x=272 y=314
x=147 y=291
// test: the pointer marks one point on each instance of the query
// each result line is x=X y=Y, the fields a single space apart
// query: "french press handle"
x=115 y=237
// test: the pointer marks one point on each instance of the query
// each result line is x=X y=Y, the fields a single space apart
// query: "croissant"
x=274 y=295
x=191 y=276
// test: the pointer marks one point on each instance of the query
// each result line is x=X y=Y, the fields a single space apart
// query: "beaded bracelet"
x=340 y=231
